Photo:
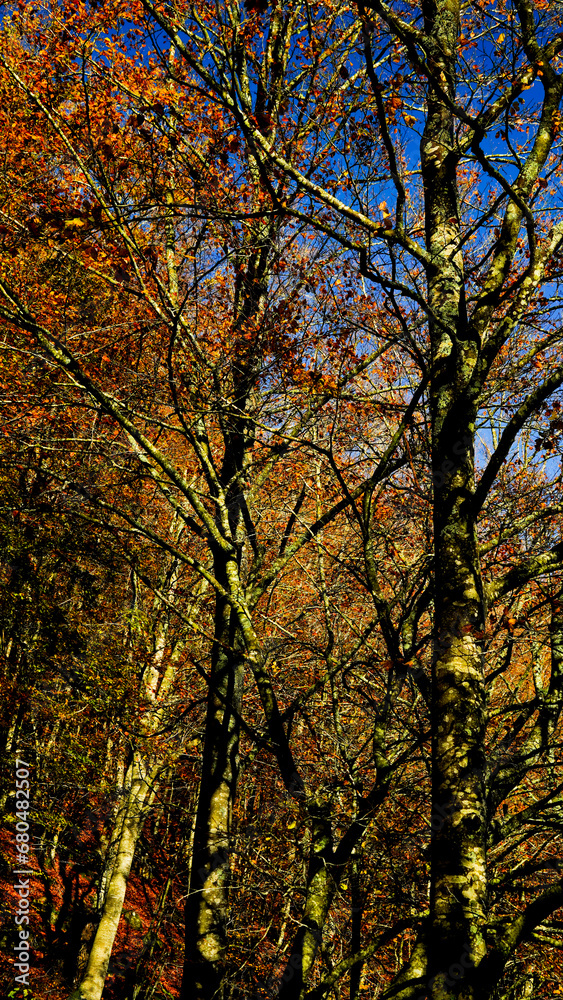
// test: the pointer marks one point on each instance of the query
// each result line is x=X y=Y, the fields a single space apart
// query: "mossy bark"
x=207 y=905
x=129 y=822
x=319 y=896
x=458 y=859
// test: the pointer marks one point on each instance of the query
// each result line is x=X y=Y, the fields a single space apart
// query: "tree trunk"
x=207 y=905
x=458 y=870
x=319 y=895
x=139 y=781
x=131 y=821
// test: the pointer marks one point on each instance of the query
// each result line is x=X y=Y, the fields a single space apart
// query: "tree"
x=443 y=320
x=219 y=412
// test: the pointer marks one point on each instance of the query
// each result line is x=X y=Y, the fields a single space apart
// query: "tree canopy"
x=280 y=481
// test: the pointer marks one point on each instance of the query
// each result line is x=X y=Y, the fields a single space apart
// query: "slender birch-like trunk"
x=140 y=784
x=130 y=819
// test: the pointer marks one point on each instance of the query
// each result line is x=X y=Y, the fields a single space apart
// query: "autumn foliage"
x=280 y=498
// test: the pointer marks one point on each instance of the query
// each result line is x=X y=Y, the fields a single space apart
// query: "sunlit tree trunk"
x=130 y=820
x=319 y=896
x=458 y=869
x=207 y=905
x=139 y=785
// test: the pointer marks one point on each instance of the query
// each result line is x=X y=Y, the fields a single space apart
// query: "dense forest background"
x=281 y=604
